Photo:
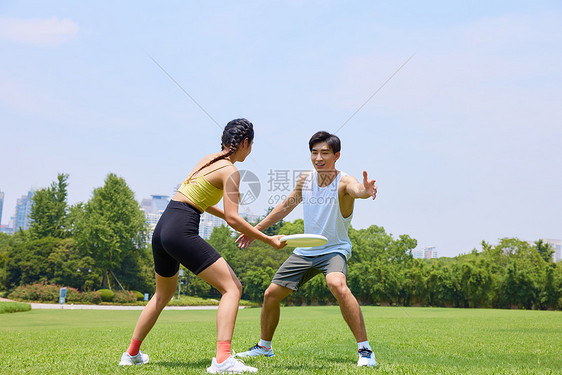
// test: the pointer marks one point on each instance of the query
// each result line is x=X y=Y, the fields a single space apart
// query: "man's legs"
x=349 y=306
x=270 y=313
x=271 y=309
x=352 y=315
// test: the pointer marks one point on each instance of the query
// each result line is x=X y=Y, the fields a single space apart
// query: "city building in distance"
x=249 y=216
x=1 y=205
x=557 y=247
x=154 y=206
x=428 y=252
x=208 y=223
x=3 y=228
x=23 y=209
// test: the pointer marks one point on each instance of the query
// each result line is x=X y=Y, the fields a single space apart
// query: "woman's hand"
x=244 y=241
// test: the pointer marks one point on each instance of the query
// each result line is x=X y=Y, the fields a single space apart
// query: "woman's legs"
x=221 y=276
x=165 y=289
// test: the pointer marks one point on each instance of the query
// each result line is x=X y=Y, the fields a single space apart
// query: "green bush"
x=91 y=297
x=124 y=296
x=36 y=292
x=11 y=307
x=73 y=295
x=106 y=295
x=192 y=301
x=138 y=295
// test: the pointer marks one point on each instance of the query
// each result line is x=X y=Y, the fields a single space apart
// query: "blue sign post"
x=180 y=275
x=62 y=296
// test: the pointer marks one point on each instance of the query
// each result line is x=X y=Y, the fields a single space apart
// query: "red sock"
x=223 y=351
x=134 y=347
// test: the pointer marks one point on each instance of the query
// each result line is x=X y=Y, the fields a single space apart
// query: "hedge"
x=106 y=295
x=12 y=307
x=50 y=293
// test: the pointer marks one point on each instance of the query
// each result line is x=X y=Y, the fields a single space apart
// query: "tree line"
x=98 y=244
x=103 y=243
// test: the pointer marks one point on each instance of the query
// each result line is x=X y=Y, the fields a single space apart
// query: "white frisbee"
x=305 y=240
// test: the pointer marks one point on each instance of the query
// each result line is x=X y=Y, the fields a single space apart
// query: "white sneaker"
x=255 y=351
x=139 y=359
x=231 y=366
x=366 y=358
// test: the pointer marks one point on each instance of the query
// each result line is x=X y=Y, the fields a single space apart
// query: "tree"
x=256 y=282
x=378 y=265
x=137 y=271
x=110 y=227
x=274 y=229
x=70 y=268
x=545 y=250
x=415 y=287
x=27 y=262
x=550 y=294
x=222 y=240
x=49 y=210
x=4 y=248
x=294 y=227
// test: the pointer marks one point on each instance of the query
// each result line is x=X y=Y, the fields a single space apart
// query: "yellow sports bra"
x=200 y=191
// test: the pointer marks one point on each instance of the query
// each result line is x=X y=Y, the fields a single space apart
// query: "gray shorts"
x=298 y=269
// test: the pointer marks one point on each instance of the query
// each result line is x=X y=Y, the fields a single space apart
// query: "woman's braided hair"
x=233 y=135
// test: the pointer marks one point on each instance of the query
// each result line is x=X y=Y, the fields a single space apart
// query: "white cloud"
x=51 y=31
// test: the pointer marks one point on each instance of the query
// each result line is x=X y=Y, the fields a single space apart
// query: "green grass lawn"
x=309 y=340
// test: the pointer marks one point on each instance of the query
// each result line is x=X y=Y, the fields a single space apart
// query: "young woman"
x=176 y=240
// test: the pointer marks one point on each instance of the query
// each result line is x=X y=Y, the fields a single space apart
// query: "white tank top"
x=322 y=215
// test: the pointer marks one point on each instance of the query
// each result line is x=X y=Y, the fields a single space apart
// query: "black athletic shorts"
x=176 y=240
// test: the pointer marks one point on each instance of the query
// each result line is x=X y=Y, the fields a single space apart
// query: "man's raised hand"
x=369 y=185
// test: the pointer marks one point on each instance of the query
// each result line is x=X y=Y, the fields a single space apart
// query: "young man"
x=328 y=196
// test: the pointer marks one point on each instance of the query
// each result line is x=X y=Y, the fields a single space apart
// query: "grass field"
x=309 y=340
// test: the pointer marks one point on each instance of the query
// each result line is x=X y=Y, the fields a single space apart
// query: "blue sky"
x=464 y=141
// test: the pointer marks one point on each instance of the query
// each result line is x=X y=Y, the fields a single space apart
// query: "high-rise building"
x=1 y=205
x=23 y=209
x=428 y=252
x=249 y=216
x=146 y=205
x=9 y=229
x=557 y=247
x=155 y=204
x=208 y=223
x=153 y=208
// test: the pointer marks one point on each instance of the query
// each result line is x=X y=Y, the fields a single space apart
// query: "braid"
x=234 y=133
x=237 y=140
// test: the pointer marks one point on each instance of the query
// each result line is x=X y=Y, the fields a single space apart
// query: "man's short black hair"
x=331 y=139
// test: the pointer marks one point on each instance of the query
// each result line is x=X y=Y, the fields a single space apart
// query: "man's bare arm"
x=358 y=190
x=278 y=213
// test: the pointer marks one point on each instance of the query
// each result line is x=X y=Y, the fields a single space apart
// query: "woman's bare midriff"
x=182 y=198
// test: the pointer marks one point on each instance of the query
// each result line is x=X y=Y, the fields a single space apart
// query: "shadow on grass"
x=202 y=364
x=308 y=367
x=341 y=360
